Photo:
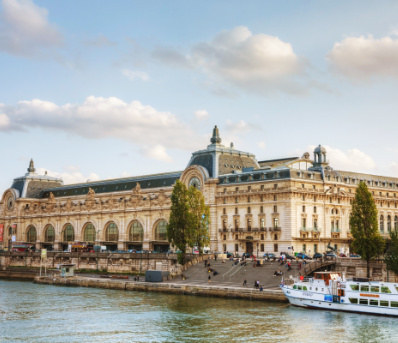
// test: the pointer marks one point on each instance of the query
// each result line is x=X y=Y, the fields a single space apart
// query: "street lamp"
x=142 y=245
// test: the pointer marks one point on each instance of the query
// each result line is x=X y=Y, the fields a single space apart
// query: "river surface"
x=43 y=313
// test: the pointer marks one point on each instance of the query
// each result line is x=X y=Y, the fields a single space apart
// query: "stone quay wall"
x=221 y=292
x=110 y=262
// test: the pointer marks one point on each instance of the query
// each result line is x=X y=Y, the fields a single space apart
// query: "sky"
x=97 y=89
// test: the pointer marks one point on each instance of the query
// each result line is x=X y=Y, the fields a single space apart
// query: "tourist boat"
x=330 y=291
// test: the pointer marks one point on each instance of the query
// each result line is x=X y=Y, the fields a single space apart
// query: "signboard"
x=1 y=232
x=13 y=238
x=79 y=245
x=43 y=253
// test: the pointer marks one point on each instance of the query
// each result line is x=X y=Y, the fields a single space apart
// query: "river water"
x=42 y=313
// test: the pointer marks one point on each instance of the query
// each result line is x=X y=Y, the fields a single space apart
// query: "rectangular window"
x=384 y=303
x=303 y=209
x=275 y=247
x=275 y=237
x=249 y=188
x=275 y=186
x=225 y=190
x=353 y=300
x=363 y=302
x=225 y=237
x=355 y=287
x=364 y=288
x=248 y=210
x=304 y=248
x=236 y=247
x=304 y=222
x=261 y=209
x=237 y=189
x=224 y=211
x=385 y=289
x=394 y=304
x=302 y=185
x=275 y=198
x=236 y=237
x=224 y=246
x=373 y=302
x=236 y=210
x=262 y=187
x=236 y=200
x=315 y=248
x=262 y=236
x=248 y=199
x=262 y=248
x=375 y=289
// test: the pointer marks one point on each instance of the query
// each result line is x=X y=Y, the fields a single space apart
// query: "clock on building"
x=194 y=182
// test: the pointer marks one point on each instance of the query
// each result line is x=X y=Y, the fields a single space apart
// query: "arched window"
x=389 y=223
x=10 y=231
x=50 y=234
x=111 y=233
x=276 y=222
x=31 y=235
x=89 y=233
x=381 y=223
x=236 y=224
x=224 y=224
x=160 y=231
x=136 y=233
x=69 y=234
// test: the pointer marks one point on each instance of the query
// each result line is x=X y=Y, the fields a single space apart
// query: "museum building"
x=279 y=205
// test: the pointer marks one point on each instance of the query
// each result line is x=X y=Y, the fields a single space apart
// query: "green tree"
x=179 y=229
x=200 y=219
x=364 y=229
x=391 y=256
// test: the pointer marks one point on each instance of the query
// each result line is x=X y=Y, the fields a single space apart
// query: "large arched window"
x=111 y=233
x=89 y=233
x=381 y=223
x=136 y=232
x=49 y=235
x=160 y=231
x=69 y=234
x=31 y=235
x=396 y=222
x=389 y=223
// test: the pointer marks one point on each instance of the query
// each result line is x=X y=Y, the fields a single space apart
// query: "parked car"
x=331 y=254
x=303 y=256
x=317 y=255
x=247 y=255
x=342 y=255
x=269 y=255
x=288 y=257
x=355 y=256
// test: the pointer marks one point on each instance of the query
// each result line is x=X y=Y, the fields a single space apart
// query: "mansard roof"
x=115 y=185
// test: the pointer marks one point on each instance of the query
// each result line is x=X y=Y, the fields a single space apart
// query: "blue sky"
x=99 y=89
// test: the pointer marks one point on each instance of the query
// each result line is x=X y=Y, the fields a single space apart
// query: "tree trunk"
x=368 y=268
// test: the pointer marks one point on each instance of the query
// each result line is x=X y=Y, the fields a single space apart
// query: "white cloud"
x=98 y=118
x=157 y=152
x=201 y=115
x=239 y=127
x=262 y=145
x=257 y=63
x=353 y=160
x=72 y=168
x=69 y=178
x=100 y=41
x=132 y=75
x=365 y=58
x=25 y=30
x=4 y=121
x=125 y=174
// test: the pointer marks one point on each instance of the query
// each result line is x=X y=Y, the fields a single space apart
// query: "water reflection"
x=37 y=313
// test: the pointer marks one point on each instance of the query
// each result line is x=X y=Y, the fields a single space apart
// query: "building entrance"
x=249 y=247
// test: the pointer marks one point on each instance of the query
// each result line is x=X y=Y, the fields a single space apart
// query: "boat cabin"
x=326 y=277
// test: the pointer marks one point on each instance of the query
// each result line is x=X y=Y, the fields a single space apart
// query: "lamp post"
x=97 y=239
x=142 y=245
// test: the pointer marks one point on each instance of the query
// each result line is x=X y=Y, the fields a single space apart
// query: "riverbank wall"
x=168 y=288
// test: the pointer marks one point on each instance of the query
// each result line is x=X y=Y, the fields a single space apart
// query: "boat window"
x=322 y=289
x=396 y=287
x=385 y=289
x=375 y=289
x=384 y=303
x=316 y=288
x=363 y=301
x=304 y=288
x=318 y=276
x=295 y=287
x=353 y=300
x=373 y=302
x=355 y=287
x=394 y=303
x=310 y=288
x=364 y=288
x=299 y=287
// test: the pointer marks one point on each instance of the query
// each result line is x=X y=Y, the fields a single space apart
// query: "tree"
x=391 y=256
x=200 y=219
x=364 y=229
x=179 y=229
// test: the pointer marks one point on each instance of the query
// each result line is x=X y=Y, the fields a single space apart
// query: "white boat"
x=328 y=291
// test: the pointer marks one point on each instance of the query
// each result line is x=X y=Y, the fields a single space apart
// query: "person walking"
x=289 y=267
x=209 y=278
x=244 y=283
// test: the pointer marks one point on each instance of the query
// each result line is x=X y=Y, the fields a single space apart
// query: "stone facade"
x=292 y=204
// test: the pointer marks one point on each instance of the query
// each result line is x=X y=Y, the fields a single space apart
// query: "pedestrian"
x=244 y=283
x=209 y=278
x=205 y=263
x=289 y=267
x=255 y=284
x=135 y=278
x=138 y=278
x=261 y=288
